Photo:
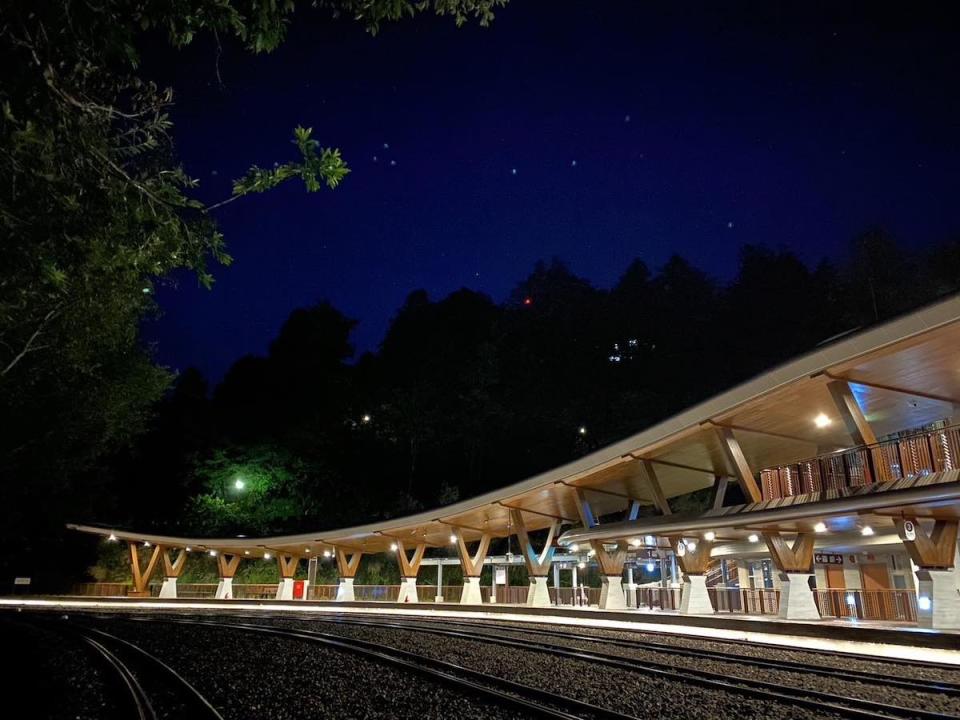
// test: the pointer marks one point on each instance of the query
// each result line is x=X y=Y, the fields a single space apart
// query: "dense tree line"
x=465 y=395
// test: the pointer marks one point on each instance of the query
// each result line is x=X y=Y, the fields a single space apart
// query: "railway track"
x=525 y=698
x=841 y=705
x=843 y=674
x=129 y=664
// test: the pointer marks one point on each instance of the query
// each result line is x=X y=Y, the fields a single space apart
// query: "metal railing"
x=747 y=601
x=919 y=454
x=897 y=605
x=658 y=598
x=575 y=596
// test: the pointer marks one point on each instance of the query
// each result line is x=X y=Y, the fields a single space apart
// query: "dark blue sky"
x=635 y=131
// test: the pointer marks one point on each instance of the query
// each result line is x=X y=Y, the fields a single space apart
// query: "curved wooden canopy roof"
x=905 y=373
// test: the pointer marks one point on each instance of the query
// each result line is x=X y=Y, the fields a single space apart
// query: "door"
x=836 y=597
x=877 y=595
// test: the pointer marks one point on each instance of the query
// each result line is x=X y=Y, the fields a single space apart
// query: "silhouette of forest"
x=465 y=395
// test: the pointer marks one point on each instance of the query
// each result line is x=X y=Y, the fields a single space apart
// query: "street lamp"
x=239 y=484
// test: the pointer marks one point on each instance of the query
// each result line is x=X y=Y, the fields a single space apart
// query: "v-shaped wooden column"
x=797 y=558
x=348 y=562
x=227 y=564
x=538 y=563
x=288 y=564
x=173 y=568
x=933 y=550
x=409 y=566
x=141 y=578
x=692 y=562
x=472 y=564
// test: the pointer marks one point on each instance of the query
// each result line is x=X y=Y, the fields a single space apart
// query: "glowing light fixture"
x=146 y=543
x=213 y=553
x=393 y=547
x=820 y=527
x=239 y=484
x=866 y=531
x=246 y=552
x=822 y=421
x=327 y=553
x=267 y=556
x=710 y=536
x=112 y=538
x=851 y=599
x=591 y=553
x=582 y=430
x=581 y=565
x=574 y=547
x=635 y=542
x=691 y=545
x=306 y=550
x=650 y=567
x=187 y=549
x=924 y=603
x=753 y=537
x=366 y=418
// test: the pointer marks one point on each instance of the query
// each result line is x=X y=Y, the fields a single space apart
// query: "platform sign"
x=21 y=585
x=908 y=531
x=500 y=576
x=828 y=559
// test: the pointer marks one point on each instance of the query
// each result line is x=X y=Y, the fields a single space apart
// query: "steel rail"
x=500 y=690
x=812 y=699
x=141 y=702
x=865 y=676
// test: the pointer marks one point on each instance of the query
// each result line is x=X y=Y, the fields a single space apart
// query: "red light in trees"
x=528 y=301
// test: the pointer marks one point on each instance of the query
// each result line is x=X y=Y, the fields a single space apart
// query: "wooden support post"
x=610 y=562
x=797 y=558
x=659 y=499
x=584 y=510
x=719 y=491
x=348 y=562
x=288 y=564
x=409 y=566
x=227 y=564
x=472 y=563
x=692 y=562
x=141 y=578
x=934 y=550
x=538 y=564
x=736 y=458
x=173 y=568
x=853 y=417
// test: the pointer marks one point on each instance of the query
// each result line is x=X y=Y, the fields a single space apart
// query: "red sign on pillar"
x=298 y=589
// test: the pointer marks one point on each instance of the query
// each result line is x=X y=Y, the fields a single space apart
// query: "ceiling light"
x=635 y=542
x=691 y=545
x=213 y=553
x=650 y=567
x=581 y=565
x=246 y=552
x=266 y=556
x=112 y=538
x=820 y=527
x=591 y=553
x=753 y=537
x=393 y=547
x=453 y=539
x=327 y=553
x=822 y=421
x=306 y=550
x=867 y=531
x=146 y=543
x=187 y=549
x=574 y=547
x=710 y=536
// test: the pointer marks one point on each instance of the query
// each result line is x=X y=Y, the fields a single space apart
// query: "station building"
x=847 y=460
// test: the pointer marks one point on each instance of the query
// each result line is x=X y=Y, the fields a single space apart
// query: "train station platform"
x=843 y=636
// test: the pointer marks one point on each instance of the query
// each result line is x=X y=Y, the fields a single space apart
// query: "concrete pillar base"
x=611 y=593
x=796 y=597
x=471 y=592
x=169 y=588
x=408 y=591
x=345 y=590
x=224 y=589
x=938 y=601
x=538 y=595
x=694 y=599
x=631 y=590
x=285 y=589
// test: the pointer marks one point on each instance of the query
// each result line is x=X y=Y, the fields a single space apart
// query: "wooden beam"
x=472 y=563
x=853 y=418
x=141 y=578
x=584 y=510
x=347 y=562
x=174 y=568
x=718 y=492
x=610 y=562
x=681 y=466
x=227 y=564
x=409 y=566
x=797 y=558
x=536 y=512
x=934 y=550
x=736 y=458
x=891 y=388
x=768 y=433
x=538 y=564
x=287 y=562
x=656 y=490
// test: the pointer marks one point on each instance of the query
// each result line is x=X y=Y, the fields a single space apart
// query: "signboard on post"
x=828 y=559
x=500 y=576
x=908 y=531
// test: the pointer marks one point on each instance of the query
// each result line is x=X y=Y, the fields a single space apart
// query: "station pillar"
x=287 y=562
x=934 y=551
x=612 y=595
x=538 y=563
x=172 y=568
x=227 y=564
x=348 y=562
x=141 y=576
x=409 y=568
x=472 y=564
x=694 y=561
x=631 y=589
x=795 y=566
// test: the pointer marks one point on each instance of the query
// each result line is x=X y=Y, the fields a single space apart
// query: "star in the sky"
x=626 y=118
x=386 y=146
x=513 y=171
x=730 y=224
x=573 y=163
x=393 y=163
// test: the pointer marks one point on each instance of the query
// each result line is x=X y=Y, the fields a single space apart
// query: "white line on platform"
x=884 y=650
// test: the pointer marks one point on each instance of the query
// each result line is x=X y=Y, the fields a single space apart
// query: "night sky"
x=593 y=131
